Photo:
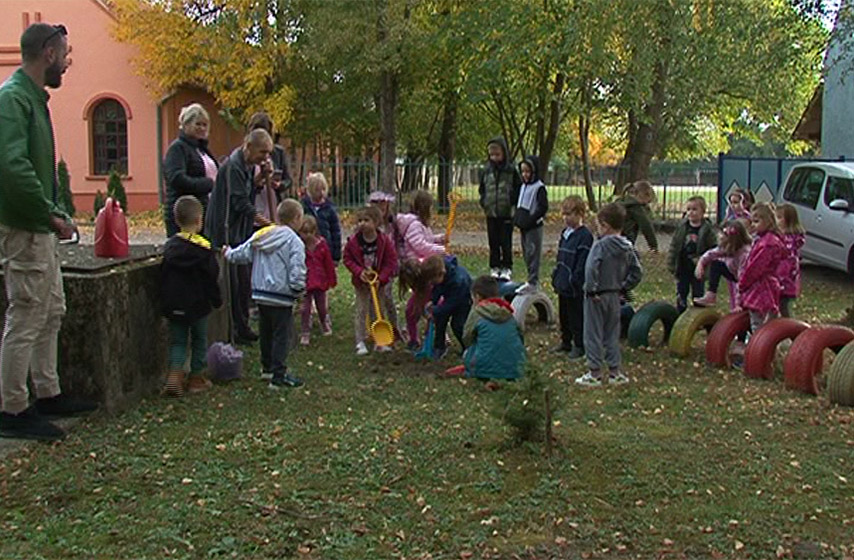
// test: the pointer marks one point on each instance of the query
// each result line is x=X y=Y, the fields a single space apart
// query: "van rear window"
x=804 y=186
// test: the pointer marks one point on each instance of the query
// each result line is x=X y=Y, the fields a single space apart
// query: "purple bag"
x=225 y=362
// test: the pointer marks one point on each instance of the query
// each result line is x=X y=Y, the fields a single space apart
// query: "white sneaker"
x=361 y=349
x=382 y=349
x=305 y=340
x=617 y=378
x=505 y=274
x=588 y=380
x=266 y=375
x=526 y=288
x=495 y=272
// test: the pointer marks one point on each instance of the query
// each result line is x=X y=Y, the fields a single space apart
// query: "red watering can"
x=111 y=231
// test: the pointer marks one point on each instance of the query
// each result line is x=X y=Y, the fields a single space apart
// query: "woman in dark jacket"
x=189 y=167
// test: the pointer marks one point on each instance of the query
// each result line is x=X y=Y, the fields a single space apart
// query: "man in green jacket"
x=30 y=222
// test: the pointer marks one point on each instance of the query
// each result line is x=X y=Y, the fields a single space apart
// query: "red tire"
x=722 y=335
x=759 y=354
x=804 y=359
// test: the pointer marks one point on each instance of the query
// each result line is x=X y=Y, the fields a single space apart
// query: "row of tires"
x=802 y=365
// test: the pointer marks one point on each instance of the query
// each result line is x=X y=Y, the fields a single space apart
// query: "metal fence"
x=350 y=183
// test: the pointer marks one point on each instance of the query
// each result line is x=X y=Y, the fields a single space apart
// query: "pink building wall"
x=100 y=68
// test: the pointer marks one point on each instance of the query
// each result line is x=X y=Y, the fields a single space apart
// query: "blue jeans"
x=457 y=316
x=197 y=334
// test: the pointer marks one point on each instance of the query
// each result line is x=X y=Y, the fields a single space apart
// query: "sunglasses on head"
x=57 y=30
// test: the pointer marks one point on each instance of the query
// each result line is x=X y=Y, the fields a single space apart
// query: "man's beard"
x=53 y=75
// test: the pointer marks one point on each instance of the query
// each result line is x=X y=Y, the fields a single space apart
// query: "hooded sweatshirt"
x=612 y=266
x=499 y=184
x=493 y=340
x=454 y=290
x=417 y=241
x=532 y=203
x=278 y=271
x=188 y=278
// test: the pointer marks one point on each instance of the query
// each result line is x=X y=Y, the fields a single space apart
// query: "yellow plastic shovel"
x=381 y=330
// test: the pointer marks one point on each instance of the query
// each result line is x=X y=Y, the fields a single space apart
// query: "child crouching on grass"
x=494 y=345
x=189 y=291
x=369 y=252
x=612 y=269
x=277 y=255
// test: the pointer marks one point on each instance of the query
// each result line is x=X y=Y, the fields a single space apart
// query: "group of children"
x=296 y=260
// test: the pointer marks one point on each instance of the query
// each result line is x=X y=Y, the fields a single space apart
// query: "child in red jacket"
x=369 y=252
x=321 y=278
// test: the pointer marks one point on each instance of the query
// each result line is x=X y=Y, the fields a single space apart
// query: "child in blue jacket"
x=450 y=299
x=568 y=276
x=316 y=204
x=494 y=345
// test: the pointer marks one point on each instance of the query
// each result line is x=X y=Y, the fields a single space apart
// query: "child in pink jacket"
x=321 y=277
x=727 y=260
x=789 y=269
x=417 y=241
x=759 y=287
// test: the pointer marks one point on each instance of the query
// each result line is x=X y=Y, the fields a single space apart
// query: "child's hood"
x=614 y=246
x=534 y=162
x=451 y=267
x=187 y=251
x=495 y=309
x=403 y=221
x=272 y=238
x=502 y=143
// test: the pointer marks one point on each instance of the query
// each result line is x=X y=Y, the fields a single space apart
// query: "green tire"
x=645 y=317
x=840 y=380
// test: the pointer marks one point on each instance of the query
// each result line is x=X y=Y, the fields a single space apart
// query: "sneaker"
x=589 y=380
x=526 y=288
x=326 y=328
x=505 y=274
x=361 y=349
x=266 y=375
x=198 y=384
x=617 y=377
x=708 y=300
x=495 y=272
x=413 y=346
x=382 y=349
x=288 y=381
x=439 y=353
x=29 y=424
x=456 y=371
x=576 y=353
x=63 y=405
x=304 y=339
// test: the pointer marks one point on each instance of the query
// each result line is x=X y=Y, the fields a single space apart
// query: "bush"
x=65 y=199
x=523 y=406
x=99 y=203
x=116 y=190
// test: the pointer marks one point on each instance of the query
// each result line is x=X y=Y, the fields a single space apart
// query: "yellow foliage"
x=236 y=58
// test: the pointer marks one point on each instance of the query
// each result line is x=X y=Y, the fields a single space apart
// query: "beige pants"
x=35 y=306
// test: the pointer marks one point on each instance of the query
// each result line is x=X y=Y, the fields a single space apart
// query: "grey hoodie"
x=612 y=266
x=278 y=272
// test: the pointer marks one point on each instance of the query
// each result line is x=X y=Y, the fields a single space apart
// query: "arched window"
x=109 y=138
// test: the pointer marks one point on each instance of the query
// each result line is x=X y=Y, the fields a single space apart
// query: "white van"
x=823 y=193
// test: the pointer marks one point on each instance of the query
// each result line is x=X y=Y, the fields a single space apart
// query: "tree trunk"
x=555 y=118
x=447 y=148
x=389 y=86
x=584 y=141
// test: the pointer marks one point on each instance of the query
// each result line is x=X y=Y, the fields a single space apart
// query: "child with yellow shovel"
x=371 y=258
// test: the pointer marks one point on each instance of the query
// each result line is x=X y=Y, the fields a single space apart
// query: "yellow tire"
x=687 y=325
x=840 y=380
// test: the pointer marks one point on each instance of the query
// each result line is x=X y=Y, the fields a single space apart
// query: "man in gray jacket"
x=612 y=270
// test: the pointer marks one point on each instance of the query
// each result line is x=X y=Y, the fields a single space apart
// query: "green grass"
x=378 y=458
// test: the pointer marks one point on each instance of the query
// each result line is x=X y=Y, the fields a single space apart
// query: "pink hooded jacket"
x=789 y=269
x=734 y=262
x=758 y=285
x=416 y=240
